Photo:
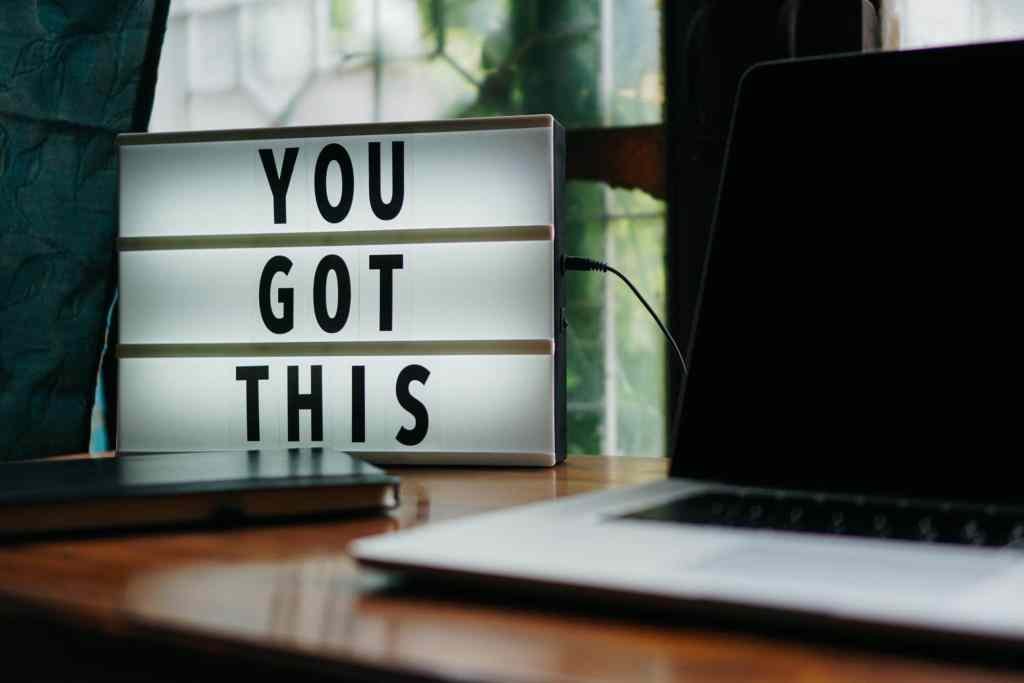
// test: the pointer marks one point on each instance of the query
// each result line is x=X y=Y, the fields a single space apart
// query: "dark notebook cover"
x=164 y=488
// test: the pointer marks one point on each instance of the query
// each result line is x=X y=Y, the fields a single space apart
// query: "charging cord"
x=581 y=263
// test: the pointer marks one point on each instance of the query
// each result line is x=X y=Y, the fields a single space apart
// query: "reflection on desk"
x=290 y=594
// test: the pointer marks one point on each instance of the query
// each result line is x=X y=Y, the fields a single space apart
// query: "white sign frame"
x=505 y=177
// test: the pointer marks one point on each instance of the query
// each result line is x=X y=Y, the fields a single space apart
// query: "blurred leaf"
x=495 y=51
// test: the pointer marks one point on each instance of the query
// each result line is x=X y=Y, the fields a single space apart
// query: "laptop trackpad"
x=854 y=567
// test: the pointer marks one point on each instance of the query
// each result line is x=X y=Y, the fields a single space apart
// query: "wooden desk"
x=205 y=604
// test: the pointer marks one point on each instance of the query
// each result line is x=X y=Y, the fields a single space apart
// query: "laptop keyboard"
x=899 y=520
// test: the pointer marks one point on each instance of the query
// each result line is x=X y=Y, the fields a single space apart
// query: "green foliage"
x=341 y=13
x=544 y=56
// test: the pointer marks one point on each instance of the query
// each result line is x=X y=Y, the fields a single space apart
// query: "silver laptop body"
x=849 y=429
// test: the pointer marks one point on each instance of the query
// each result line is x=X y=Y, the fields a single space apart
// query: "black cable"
x=581 y=263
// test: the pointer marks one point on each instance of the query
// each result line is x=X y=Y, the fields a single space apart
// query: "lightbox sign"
x=392 y=290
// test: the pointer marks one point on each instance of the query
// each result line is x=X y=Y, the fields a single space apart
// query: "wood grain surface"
x=288 y=597
x=629 y=157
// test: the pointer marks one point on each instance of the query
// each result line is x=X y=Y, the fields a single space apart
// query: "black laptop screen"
x=860 y=326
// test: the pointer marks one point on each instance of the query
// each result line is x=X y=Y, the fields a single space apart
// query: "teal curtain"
x=72 y=76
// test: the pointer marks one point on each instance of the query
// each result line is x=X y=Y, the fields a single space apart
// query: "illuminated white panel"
x=478 y=408
x=459 y=291
x=198 y=221
x=486 y=178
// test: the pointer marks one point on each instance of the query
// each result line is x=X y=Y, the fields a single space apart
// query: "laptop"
x=850 y=428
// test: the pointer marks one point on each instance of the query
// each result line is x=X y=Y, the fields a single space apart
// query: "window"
x=238 y=63
x=910 y=24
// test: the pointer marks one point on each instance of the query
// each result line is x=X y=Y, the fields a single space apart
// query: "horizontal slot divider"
x=345 y=130
x=526 y=347
x=338 y=238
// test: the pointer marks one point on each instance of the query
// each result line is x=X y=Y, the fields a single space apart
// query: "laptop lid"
x=860 y=323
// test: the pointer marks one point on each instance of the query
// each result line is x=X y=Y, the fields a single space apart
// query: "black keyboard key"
x=845 y=516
